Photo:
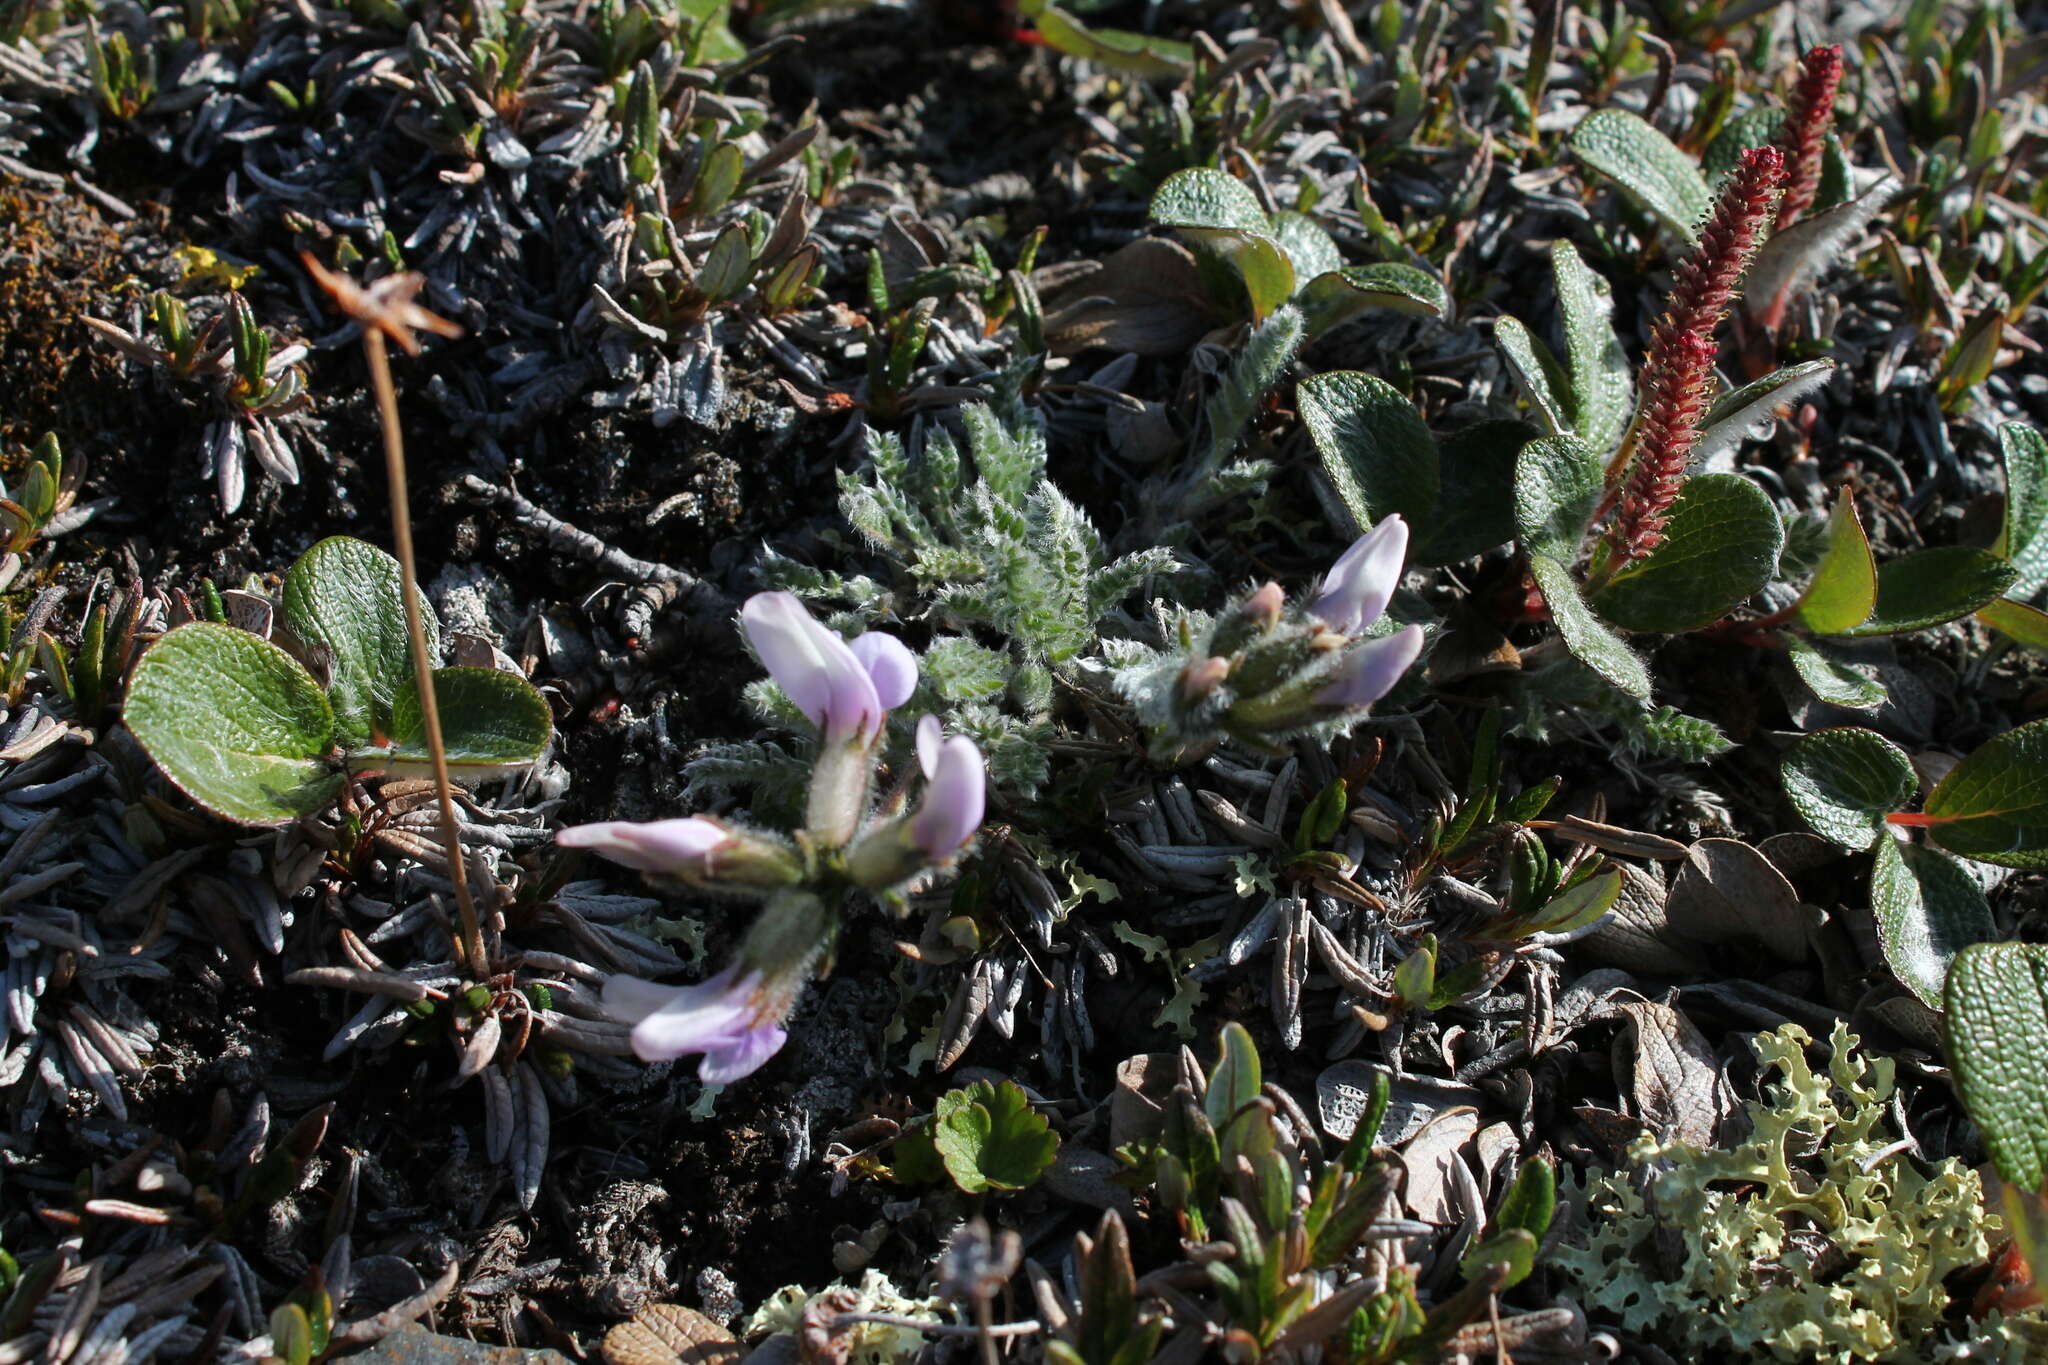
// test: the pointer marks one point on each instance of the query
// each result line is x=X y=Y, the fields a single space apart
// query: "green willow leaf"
x=1928 y=587
x=1589 y=641
x=1203 y=197
x=343 y=600
x=1647 y=167
x=1537 y=371
x=1476 y=508
x=1832 y=678
x=1375 y=448
x=1602 y=389
x=1843 y=591
x=1720 y=548
x=1993 y=806
x=1557 y=487
x=1334 y=297
x=1928 y=909
x=491 y=723
x=1997 y=1026
x=2024 y=539
x=2017 y=622
x=1844 y=781
x=236 y=723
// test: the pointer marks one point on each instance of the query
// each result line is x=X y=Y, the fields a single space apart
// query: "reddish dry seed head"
x=1677 y=378
x=1804 y=136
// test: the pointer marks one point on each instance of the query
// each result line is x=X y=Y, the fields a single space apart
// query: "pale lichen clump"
x=870 y=1343
x=1815 y=1239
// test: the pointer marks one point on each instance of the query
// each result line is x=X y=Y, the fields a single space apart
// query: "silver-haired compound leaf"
x=1203 y=197
x=1993 y=806
x=1334 y=297
x=1646 y=166
x=1557 y=487
x=1720 y=548
x=1375 y=447
x=492 y=722
x=1997 y=1024
x=343 y=601
x=236 y=723
x=1844 y=781
x=1602 y=391
x=1928 y=909
x=1589 y=641
x=1928 y=587
x=2024 y=539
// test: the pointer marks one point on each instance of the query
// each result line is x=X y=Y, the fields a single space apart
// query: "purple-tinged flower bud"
x=1371 y=669
x=1201 y=677
x=954 y=801
x=700 y=851
x=838 y=687
x=1264 y=606
x=1363 y=579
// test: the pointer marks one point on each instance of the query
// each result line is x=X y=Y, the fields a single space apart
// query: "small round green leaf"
x=343 y=600
x=1375 y=448
x=1997 y=998
x=1844 y=781
x=1993 y=806
x=1720 y=548
x=1928 y=587
x=1647 y=166
x=1835 y=680
x=235 y=722
x=1928 y=908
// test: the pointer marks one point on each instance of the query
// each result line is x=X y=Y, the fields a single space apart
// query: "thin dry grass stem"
x=386 y=309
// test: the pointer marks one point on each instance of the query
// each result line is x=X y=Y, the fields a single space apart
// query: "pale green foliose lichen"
x=872 y=1343
x=1809 y=1241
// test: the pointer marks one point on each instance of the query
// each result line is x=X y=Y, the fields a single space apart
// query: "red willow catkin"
x=1804 y=136
x=1677 y=378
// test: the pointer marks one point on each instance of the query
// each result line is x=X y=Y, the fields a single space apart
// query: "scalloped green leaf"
x=1589 y=641
x=1334 y=297
x=1928 y=909
x=1843 y=591
x=1558 y=482
x=991 y=1138
x=1993 y=806
x=1203 y=197
x=1720 y=548
x=1997 y=1026
x=2024 y=538
x=1602 y=386
x=343 y=601
x=1646 y=166
x=1832 y=678
x=238 y=724
x=1844 y=781
x=1928 y=587
x=492 y=722
x=1375 y=447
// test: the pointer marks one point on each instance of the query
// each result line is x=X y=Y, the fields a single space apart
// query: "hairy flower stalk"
x=1678 y=371
x=1803 y=138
